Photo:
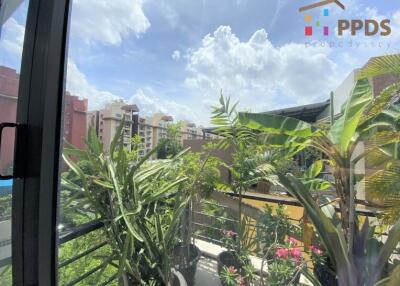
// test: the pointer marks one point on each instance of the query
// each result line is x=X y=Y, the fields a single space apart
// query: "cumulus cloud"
x=106 y=21
x=78 y=84
x=176 y=55
x=259 y=74
x=12 y=37
x=150 y=102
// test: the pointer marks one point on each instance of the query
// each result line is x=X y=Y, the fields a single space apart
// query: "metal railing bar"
x=5 y=261
x=214 y=204
x=4 y=218
x=294 y=202
x=90 y=272
x=80 y=231
x=82 y=254
x=217 y=217
x=206 y=226
x=108 y=281
x=206 y=238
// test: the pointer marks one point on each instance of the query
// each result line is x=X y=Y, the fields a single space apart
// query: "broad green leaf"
x=344 y=128
x=315 y=169
x=316 y=184
x=381 y=65
x=276 y=124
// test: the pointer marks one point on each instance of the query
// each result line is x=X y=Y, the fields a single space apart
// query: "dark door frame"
x=38 y=144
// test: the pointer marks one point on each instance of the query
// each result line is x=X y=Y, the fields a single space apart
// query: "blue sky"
x=175 y=56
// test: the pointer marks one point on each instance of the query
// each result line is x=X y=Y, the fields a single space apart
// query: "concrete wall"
x=342 y=93
x=225 y=155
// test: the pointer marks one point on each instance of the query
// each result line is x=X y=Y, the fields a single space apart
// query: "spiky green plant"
x=140 y=208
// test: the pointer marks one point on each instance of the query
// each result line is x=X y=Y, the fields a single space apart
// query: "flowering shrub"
x=232 y=277
x=284 y=269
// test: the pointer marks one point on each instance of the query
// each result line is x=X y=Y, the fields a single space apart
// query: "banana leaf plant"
x=365 y=120
x=140 y=208
x=366 y=263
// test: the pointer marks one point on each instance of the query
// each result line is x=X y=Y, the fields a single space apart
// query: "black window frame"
x=38 y=143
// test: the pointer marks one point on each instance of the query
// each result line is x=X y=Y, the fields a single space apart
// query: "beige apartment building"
x=110 y=118
x=150 y=129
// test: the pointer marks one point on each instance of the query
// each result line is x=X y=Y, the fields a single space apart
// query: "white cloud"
x=107 y=21
x=150 y=102
x=176 y=55
x=12 y=37
x=78 y=84
x=396 y=25
x=257 y=73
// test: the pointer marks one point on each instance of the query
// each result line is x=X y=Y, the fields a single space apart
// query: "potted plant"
x=234 y=265
x=201 y=171
x=323 y=268
x=248 y=168
x=140 y=203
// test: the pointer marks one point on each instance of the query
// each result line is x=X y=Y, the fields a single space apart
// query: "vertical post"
x=332 y=108
x=351 y=209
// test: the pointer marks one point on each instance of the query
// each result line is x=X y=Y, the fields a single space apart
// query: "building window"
x=118 y=115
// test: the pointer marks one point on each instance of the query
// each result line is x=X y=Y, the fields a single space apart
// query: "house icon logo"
x=312 y=28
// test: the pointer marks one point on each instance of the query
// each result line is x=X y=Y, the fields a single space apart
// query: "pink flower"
x=241 y=281
x=292 y=241
x=295 y=252
x=316 y=250
x=231 y=233
x=282 y=252
x=232 y=270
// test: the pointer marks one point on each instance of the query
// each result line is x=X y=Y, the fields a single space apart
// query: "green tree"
x=171 y=145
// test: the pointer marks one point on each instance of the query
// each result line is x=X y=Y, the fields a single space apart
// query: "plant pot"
x=325 y=275
x=178 y=279
x=227 y=259
x=187 y=267
x=263 y=187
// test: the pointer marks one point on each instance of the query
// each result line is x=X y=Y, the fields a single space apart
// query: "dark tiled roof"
x=307 y=112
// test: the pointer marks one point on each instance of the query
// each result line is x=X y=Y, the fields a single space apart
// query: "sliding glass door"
x=13 y=16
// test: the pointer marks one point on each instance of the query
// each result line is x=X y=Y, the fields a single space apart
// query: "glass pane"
x=160 y=167
x=12 y=29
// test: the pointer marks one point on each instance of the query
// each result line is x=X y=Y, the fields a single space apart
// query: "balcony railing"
x=201 y=222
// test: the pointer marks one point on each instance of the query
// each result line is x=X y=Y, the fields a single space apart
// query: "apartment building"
x=146 y=134
x=75 y=118
x=9 y=82
x=160 y=123
x=190 y=131
x=150 y=129
x=110 y=118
